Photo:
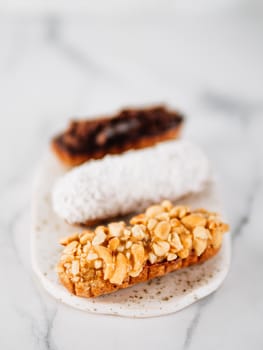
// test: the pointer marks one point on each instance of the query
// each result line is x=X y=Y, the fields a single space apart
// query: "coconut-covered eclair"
x=118 y=185
x=163 y=239
x=132 y=128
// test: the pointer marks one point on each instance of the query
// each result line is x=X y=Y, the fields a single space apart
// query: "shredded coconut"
x=121 y=184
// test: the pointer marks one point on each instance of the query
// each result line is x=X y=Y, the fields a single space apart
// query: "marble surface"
x=210 y=67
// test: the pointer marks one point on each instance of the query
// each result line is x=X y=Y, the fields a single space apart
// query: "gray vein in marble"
x=53 y=27
x=47 y=340
x=195 y=321
x=42 y=336
x=11 y=231
x=245 y=217
x=237 y=107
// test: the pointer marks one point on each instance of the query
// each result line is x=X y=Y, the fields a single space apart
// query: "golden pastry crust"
x=161 y=240
x=100 y=287
x=68 y=146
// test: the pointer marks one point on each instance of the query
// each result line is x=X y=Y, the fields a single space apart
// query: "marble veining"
x=194 y=323
x=56 y=67
x=245 y=216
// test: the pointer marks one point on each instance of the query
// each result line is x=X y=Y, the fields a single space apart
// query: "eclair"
x=163 y=239
x=122 y=184
x=129 y=129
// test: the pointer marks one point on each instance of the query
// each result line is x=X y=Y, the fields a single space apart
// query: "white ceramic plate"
x=157 y=297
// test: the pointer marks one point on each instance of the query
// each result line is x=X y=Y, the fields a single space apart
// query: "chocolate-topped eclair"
x=129 y=129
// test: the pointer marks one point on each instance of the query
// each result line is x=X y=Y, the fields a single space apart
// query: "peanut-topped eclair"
x=129 y=129
x=164 y=238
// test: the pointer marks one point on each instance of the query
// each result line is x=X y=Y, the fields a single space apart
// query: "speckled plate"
x=157 y=297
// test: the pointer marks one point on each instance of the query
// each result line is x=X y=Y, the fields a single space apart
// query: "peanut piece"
x=120 y=271
x=160 y=248
x=194 y=220
x=162 y=230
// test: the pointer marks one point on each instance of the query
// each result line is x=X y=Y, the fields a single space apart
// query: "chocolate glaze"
x=129 y=125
